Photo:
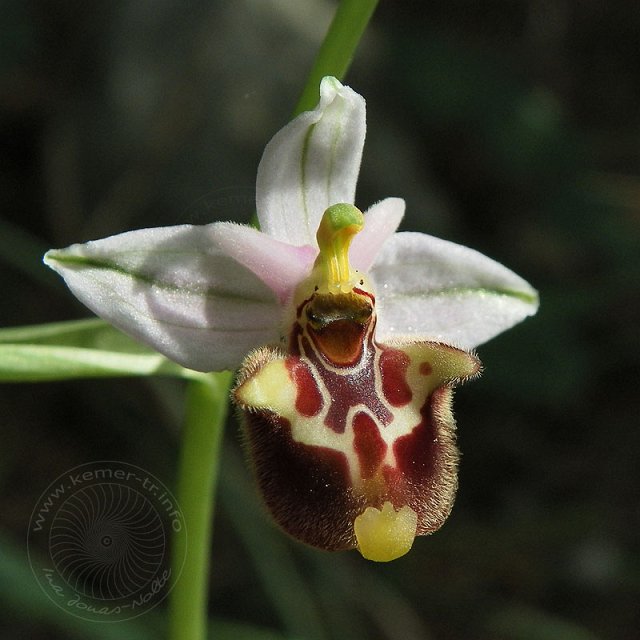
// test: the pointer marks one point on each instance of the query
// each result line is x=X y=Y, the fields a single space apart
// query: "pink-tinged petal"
x=279 y=265
x=433 y=289
x=310 y=164
x=176 y=290
x=380 y=222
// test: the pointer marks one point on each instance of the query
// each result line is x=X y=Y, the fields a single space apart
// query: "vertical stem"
x=339 y=45
x=206 y=410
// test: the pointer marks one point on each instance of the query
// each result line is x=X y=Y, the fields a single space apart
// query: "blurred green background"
x=510 y=126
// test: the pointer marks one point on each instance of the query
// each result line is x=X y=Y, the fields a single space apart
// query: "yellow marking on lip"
x=269 y=388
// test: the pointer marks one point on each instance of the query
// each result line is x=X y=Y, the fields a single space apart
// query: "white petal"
x=434 y=289
x=175 y=290
x=279 y=265
x=380 y=222
x=310 y=164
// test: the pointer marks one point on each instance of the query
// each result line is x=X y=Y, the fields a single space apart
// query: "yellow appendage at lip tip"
x=385 y=534
x=339 y=224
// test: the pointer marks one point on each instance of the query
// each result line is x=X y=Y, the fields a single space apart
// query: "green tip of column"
x=341 y=216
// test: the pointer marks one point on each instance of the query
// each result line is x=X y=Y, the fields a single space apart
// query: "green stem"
x=338 y=47
x=206 y=411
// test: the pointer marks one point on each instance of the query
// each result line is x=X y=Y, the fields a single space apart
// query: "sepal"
x=432 y=289
x=174 y=289
x=311 y=164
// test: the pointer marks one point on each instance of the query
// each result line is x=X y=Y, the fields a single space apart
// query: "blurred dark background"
x=510 y=126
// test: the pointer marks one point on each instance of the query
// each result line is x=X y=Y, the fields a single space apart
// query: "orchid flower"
x=349 y=336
